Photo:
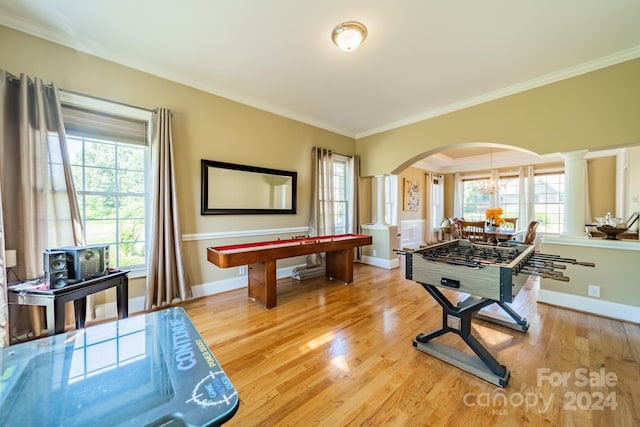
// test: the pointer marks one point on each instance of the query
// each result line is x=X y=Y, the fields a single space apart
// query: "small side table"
x=55 y=299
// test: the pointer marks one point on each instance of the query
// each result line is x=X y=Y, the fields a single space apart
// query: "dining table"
x=502 y=234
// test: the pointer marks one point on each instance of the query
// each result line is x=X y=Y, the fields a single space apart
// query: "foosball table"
x=489 y=274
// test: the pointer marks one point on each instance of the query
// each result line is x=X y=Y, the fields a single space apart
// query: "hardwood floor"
x=334 y=355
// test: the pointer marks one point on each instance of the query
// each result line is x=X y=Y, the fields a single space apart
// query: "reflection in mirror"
x=229 y=188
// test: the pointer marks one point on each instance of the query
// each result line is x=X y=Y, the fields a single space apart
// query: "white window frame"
x=391 y=199
x=550 y=171
x=348 y=192
x=113 y=108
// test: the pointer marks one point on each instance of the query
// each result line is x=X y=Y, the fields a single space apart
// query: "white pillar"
x=380 y=200
x=575 y=197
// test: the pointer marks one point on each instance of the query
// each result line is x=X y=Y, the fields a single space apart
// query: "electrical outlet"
x=594 y=291
x=242 y=270
x=374 y=253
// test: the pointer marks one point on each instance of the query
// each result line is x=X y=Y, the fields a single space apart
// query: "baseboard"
x=109 y=310
x=614 y=310
x=389 y=264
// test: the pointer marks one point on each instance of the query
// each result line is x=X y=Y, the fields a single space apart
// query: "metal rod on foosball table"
x=545 y=275
x=456 y=261
x=462 y=259
x=544 y=266
x=558 y=258
x=547 y=264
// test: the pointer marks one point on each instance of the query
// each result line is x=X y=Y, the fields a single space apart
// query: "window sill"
x=136 y=273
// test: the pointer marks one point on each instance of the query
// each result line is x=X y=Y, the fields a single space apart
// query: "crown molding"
x=587 y=67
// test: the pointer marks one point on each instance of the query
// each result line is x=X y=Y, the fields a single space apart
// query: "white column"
x=575 y=167
x=380 y=200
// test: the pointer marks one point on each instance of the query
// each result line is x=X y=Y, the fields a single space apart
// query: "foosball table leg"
x=519 y=323
x=457 y=319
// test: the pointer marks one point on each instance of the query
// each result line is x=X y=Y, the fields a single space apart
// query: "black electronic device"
x=86 y=262
x=55 y=268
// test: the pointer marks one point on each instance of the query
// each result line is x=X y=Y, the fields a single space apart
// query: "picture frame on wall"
x=411 y=195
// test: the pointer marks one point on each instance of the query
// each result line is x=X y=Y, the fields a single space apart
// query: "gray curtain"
x=39 y=204
x=166 y=275
x=4 y=312
x=354 y=211
x=322 y=212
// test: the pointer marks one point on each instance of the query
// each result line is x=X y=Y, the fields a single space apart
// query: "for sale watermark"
x=500 y=401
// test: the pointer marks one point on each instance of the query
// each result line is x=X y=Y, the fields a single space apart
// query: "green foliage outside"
x=110 y=183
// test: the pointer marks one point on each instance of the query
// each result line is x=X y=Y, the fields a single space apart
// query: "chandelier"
x=490 y=185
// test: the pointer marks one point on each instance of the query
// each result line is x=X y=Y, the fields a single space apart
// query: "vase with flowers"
x=494 y=218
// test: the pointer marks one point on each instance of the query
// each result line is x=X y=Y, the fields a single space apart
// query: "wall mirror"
x=232 y=189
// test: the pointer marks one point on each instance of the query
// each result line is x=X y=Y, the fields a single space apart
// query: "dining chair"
x=530 y=237
x=509 y=224
x=456 y=230
x=473 y=231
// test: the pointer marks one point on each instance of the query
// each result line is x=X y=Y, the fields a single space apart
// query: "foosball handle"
x=585 y=264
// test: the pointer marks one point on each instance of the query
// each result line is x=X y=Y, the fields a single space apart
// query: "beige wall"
x=602 y=184
x=204 y=127
x=616 y=272
x=593 y=111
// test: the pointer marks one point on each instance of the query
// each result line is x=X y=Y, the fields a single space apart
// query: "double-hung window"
x=341 y=193
x=476 y=198
x=109 y=151
x=547 y=198
x=390 y=197
x=509 y=196
x=549 y=201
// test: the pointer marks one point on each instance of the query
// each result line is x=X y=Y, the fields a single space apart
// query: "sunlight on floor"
x=341 y=363
x=317 y=342
x=491 y=336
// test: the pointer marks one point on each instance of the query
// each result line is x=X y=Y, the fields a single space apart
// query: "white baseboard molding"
x=219 y=286
x=389 y=264
x=614 y=310
x=109 y=310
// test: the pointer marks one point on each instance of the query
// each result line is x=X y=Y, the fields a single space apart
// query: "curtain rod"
x=30 y=80
x=339 y=154
x=97 y=98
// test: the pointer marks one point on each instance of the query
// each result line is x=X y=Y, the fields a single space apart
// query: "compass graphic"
x=214 y=389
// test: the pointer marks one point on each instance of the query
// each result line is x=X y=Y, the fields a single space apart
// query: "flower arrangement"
x=494 y=216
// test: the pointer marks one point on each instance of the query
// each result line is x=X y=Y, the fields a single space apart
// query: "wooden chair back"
x=530 y=237
x=456 y=230
x=509 y=223
x=473 y=231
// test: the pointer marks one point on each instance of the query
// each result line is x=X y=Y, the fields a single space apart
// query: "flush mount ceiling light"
x=349 y=35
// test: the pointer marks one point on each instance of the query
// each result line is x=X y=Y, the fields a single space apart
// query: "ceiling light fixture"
x=349 y=35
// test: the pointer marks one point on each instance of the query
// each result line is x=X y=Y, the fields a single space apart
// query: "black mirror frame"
x=204 y=206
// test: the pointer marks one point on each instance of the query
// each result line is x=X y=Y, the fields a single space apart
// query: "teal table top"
x=153 y=369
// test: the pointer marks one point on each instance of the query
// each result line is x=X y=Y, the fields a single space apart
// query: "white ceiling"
x=421 y=58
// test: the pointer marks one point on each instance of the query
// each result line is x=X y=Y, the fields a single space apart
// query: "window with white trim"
x=509 y=196
x=391 y=197
x=476 y=200
x=437 y=200
x=549 y=192
x=109 y=151
x=340 y=194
